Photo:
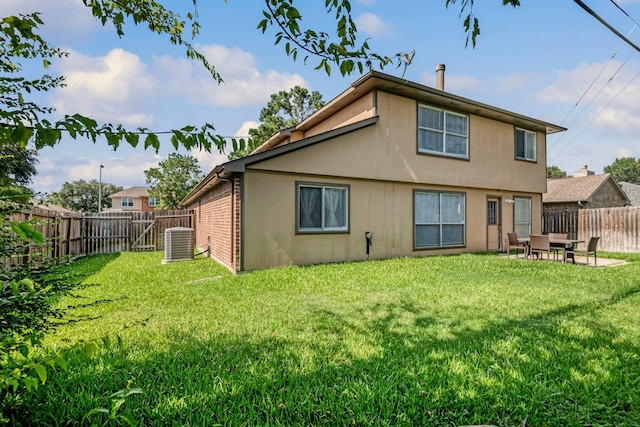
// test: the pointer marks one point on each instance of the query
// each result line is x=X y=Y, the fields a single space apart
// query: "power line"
x=592 y=99
x=626 y=40
x=606 y=24
x=598 y=114
x=624 y=11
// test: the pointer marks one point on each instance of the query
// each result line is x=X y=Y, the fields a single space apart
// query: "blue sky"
x=547 y=59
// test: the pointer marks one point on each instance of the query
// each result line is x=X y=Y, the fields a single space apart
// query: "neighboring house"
x=584 y=190
x=632 y=191
x=134 y=199
x=424 y=171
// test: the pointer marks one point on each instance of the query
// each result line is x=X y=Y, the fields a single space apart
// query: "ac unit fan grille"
x=178 y=244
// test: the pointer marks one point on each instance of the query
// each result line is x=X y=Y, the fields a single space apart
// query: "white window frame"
x=444 y=133
x=153 y=202
x=323 y=222
x=437 y=220
x=529 y=145
x=126 y=205
x=522 y=224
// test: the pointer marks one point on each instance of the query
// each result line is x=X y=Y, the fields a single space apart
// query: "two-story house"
x=423 y=171
x=133 y=199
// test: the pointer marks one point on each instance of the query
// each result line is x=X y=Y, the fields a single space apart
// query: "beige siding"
x=361 y=109
x=388 y=151
x=384 y=208
x=116 y=203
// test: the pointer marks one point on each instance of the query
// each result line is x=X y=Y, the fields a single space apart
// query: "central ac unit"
x=178 y=244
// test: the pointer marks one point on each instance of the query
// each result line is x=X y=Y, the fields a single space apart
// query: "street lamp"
x=100 y=190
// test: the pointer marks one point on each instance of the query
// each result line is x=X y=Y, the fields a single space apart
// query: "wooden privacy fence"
x=617 y=227
x=73 y=234
x=561 y=221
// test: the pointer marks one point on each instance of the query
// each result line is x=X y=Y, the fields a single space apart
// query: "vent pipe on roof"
x=440 y=76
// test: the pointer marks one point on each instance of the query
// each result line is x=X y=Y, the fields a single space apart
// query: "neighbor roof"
x=573 y=189
x=632 y=191
x=138 y=191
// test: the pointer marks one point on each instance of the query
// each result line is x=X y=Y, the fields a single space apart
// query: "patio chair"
x=512 y=243
x=592 y=246
x=558 y=236
x=539 y=244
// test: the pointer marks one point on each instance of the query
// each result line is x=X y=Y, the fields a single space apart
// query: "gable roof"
x=632 y=191
x=575 y=189
x=280 y=143
x=137 y=191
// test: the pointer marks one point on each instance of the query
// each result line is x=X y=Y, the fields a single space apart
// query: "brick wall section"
x=607 y=196
x=214 y=224
x=145 y=205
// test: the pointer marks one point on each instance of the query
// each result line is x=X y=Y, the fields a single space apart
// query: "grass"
x=443 y=341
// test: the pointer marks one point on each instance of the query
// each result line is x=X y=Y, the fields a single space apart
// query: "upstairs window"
x=322 y=208
x=127 y=202
x=442 y=132
x=153 y=202
x=525 y=145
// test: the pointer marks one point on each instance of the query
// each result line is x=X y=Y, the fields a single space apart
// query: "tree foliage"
x=285 y=109
x=554 y=172
x=626 y=169
x=82 y=196
x=173 y=179
x=24 y=119
x=471 y=23
x=17 y=165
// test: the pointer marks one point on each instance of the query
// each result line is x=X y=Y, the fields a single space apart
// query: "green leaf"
x=91 y=348
x=152 y=141
x=128 y=418
x=61 y=362
x=26 y=232
x=98 y=411
x=42 y=373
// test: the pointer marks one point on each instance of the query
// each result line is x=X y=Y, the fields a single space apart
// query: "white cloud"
x=372 y=24
x=602 y=97
x=66 y=21
x=126 y=169
x=246 y=126
x=624 y=152
x=117 y=87
x=244 y=83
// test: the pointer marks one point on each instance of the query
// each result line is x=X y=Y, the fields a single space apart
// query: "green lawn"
x=455 y=340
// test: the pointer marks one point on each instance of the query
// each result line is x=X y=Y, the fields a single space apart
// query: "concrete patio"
x=580 y=261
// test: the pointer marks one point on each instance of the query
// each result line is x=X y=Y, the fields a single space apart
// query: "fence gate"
x=145 y=238
x=106 y=234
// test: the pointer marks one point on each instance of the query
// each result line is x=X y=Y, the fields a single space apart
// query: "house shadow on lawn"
x=389 y=363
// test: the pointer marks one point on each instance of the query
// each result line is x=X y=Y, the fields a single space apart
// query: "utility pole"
x=100 y=190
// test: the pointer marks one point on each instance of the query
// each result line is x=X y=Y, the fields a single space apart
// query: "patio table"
x=562 y=243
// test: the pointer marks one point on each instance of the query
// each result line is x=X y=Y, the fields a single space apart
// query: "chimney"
x=440 y=77
x=584 y=171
